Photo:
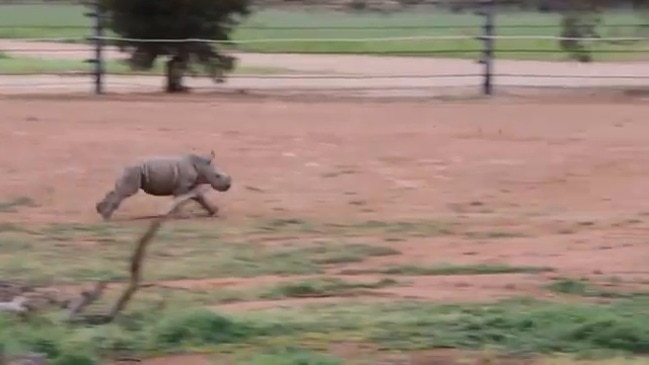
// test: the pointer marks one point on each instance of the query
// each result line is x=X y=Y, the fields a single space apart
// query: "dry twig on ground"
x=140 y=251
x=19 y=303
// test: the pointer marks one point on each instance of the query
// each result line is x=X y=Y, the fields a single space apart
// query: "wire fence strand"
x=347 y=27
x=449 y=46
x=329 y=40
x=371 y=39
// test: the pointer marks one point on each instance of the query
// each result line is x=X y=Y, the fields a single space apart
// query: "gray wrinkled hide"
x=166 y=176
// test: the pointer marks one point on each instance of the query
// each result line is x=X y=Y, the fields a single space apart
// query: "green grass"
x=289 y=356
x=166 y=320
x=317 y=287
x=71 y=23
x=322 y=287
x=522 y=326
x=586 y=289
x=413 y=228
x=89 y=252
x=10 y=205
x=18 y=65
x=494 y=235
x=454 y=269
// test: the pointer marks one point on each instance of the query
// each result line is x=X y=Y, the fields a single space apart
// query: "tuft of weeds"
x=289 y=356
x=585 y=289
x=323 y=287
x=494 y=235
x=417 y=228
x=198 y=327
x=453 y=269
x=355 y=252
x=285 y=224
x=10 y=206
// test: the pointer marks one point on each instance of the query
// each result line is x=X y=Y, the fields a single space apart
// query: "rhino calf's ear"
x=212 y=155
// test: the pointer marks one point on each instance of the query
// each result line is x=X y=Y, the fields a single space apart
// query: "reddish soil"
x=569 y=178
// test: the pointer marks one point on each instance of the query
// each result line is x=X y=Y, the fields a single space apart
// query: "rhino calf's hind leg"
x=126 y=186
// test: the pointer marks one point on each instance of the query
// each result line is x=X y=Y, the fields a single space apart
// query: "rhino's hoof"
x=101 y=209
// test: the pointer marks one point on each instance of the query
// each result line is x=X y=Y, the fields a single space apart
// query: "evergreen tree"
x=176 y=19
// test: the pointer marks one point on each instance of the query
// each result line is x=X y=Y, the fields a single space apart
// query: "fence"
x=378 y=74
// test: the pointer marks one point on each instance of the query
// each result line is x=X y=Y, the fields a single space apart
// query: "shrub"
x=198 y=327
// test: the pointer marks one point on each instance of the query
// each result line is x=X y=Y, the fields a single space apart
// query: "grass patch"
x=350 y=253
x=293 y=225
x=136 y=333
x=494 y=235
x=586 y=289
x=289 y=356
x=9 y=206
x=452 y=269
x=19 y=65
x=70 y=22
x=415 y=228
x=513 y=326
x=323 y=287
x=90 y=252
x=521 y=326
x=309 y=288
x=593 y=360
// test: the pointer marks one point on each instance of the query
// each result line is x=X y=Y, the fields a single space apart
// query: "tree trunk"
x=175 y=72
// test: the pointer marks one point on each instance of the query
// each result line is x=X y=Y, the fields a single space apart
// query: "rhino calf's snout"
x=226 y=183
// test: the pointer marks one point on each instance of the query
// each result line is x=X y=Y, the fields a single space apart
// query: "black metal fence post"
x=487 y=10
x=98 y=41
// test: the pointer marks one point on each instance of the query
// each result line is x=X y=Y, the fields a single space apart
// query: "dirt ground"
x=569 y=177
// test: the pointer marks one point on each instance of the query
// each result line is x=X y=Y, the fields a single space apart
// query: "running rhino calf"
x=166 y=176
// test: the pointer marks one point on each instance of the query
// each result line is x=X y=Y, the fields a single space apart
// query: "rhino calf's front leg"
x=206 y=205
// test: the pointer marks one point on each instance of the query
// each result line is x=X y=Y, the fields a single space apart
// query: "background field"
x=35 y=21
x=460 y=227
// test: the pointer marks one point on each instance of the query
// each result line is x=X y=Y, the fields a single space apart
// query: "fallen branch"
x=140 y=251
x=19 y=304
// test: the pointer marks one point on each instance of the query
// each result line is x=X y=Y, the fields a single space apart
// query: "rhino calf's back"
x=168 y=176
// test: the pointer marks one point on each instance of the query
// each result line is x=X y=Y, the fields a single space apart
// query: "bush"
x=198 y=327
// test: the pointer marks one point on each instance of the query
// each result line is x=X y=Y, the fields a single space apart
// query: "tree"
x=176 y=20
x=581 y=18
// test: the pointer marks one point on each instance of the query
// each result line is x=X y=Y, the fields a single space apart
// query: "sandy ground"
x=390 y=76
x=539 y=168
x=569 y=176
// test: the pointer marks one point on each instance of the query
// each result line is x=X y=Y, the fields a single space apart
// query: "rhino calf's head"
x=208 y=173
